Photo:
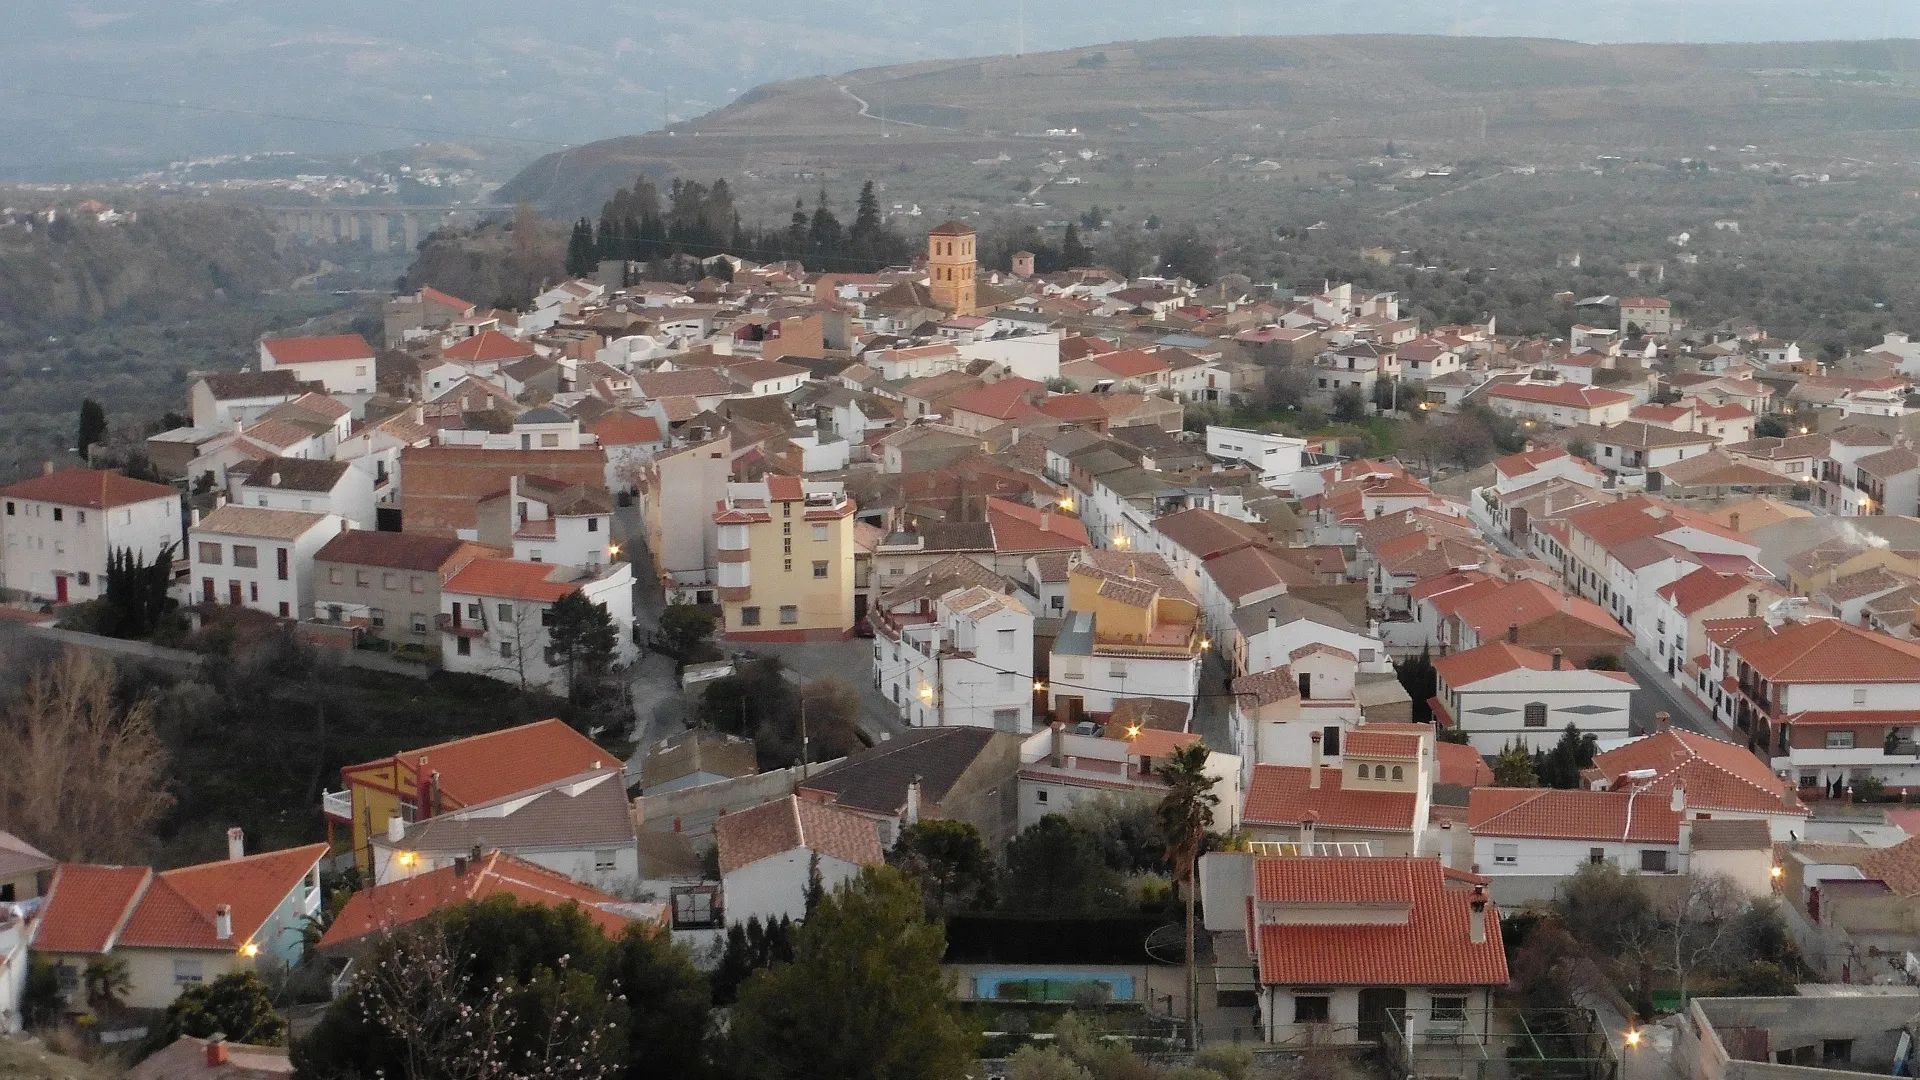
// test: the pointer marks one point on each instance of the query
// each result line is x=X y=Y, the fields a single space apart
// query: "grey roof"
x=876 y=779
x=586 y=809
x=1076 y=637
x=19 y=857
x=932 y=582
x=958 y=536
x=1252 y=619
x=297 y=474
x=544 y=415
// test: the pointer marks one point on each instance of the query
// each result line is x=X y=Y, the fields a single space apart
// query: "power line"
x=293 y=117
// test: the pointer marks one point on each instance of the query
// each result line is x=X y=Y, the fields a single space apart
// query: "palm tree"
x=1185 y=815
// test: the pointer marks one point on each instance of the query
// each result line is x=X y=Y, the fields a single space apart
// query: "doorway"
x=1375 y=1001
x=59 y=588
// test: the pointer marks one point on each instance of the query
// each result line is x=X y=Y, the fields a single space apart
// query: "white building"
x=59 y=527
x=1562 y=404
x=343 y=363
x=546 y=521
x=1547 y=834
x=1500 y=693
x=1277 y=458
x=308 y=485
x=767 y=855
x=498 y=610
x=969 y=664
x=1060 y=770
x=248 y=556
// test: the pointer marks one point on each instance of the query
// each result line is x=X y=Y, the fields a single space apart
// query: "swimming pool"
x=1049 y=985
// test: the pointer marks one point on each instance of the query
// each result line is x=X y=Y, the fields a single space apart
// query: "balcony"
x=337 y=805
x=446 y=625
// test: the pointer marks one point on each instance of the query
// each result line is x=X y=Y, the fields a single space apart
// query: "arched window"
x=1396 y=772
x=1379 y=772
x=1361 y=771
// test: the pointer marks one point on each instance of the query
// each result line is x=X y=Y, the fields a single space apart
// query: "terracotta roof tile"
x=1280 y=795
x=1717 y=775
x=1829 y=651
x=177 y=911
x=771 y=828
x=95 y=489
x=513 y=579
x=314 y=350
x=483 y=767
x=1432 y=947
x=258 y=521
x=87 y=905
x=398 y=903
x=1552 y=814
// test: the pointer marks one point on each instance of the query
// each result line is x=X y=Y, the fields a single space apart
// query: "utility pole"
x=803 y=732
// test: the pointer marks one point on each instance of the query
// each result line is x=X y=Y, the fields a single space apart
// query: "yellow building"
x=950 y=267
x=786 y=560
x=419 y=784
x=1132 y=631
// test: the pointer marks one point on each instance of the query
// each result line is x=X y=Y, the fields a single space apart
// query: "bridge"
x=321 y=223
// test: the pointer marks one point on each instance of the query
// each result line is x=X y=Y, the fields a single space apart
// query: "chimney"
x=1678 y=801
x=1313 y=771
x=216 y=1051
x=223 y=923
x=236 y=843
x=911 y=816
x=1308 y=826
x=274 y=479
x=1556 y=658
x=1477 y=922
x=433 y=790
x=1432 y=542
x=396 y=829
x=459 y=866
x=1753 y=605
x=1662 y=721
x=1273 y=619
x=1046 y=519
x=473 y=856
x=1059 y=748
x=1733 y=521
x=1513 y=633
x=46 y=468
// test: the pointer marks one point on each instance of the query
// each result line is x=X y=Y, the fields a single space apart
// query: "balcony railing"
x=337 y=805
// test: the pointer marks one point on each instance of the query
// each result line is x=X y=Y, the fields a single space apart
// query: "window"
x=1860 y=696
x=1653 y=862
x=789 y=614
x=550 y=439
x=1839 y=740
x=1360 y=771
x=819 y=533
x=377 y=617
x=506 y=650
x=253 y=592
x=186 y=972
x=593 y=524
x=546 y=616
x=603 y=862
x=389 y=581
x=419 y=623
x=1536 y=714
x=1040 y=797
x=246 y=555
x=473 y=612
x=1311 y=1008
x=1396 y=773
x=85 y=578
x=416 y=584
x=210 y=554
x=506 y=612
x=786 y=565
x=820 y=568
x=1448 y=1009
x=83 y=516
x=749 y=616
x=334 y=576
x=1506 y=854
x=463 y=646
x=59 y=514
x=363 y=579
x=1330 y=739
x=286 y=610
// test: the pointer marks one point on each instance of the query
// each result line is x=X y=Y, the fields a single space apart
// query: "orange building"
x=950 y=267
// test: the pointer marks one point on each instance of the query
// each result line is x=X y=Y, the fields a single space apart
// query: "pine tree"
x=1072 y=251
x=93 y=427
x=866 y=235
x=816 y=887
x=797 y=230
x=824 y=235
x=584 y=640
x=581 y=257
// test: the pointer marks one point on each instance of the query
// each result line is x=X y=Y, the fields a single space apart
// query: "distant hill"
x=99 y=83
x=1275 y=97
x=78 y=273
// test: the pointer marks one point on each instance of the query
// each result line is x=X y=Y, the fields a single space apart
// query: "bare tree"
x=84 y=779
x=419 y=992
x=1694 y=924
x=517 y=633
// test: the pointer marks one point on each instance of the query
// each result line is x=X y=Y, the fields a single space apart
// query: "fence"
x=1500 y=1044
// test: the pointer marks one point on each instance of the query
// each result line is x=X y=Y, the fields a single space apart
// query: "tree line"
x=700 y=220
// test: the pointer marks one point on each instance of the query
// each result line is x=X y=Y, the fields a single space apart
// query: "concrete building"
x=308 y=485
x=387 y=584
x=785 y=560
x=684 y=542
x=542 y=520
x=1132 y=630
x=1060 y=770
x=58 y=529
x=498 y=612
x=767 y=855
x=343 y=363
x=248 y=556
x=1500 y=694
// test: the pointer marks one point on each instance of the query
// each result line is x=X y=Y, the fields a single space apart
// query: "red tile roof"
x=622 y=428
x=1527 y=461
x=497 y=874
x=1829 y=651
x=1461 y=764
x=483 y=767
x=1003 y=400
x=1551 y=814
x=316 y=350
x=1130 y=363
x=1279 y=795
x=1381 y=744
x=1701 y=588
x=177 y=911
x=87 y=906
x=1717 y=775
x=1526 y=602
x=1023 y=528
x=1494 y=658
x=511 y=578
x=1432 y=947
x=1073 y=408
x=487 y=346
x=434 y=296
x=94 y=489
x=785 y=824
x=1570 y=395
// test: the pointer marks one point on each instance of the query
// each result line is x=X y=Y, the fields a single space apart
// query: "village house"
x=1501 y=694
x=308 y=485
x=1060 y=769
x=59 y=528
x=386 y=585
x=1722 y=780
x=1132 y=630
x=249 y=556
x=343 y=363
x=542 y=520
x=769 y=853
x=768 y=589
x=497 y=613
x=1379 y=795
x=1561 y=404
x=1540 y=836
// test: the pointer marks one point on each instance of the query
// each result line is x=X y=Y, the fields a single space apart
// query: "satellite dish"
x=1168 y=944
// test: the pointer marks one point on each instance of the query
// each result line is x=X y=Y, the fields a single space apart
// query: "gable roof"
x=296 y=474
x=393 y=551
x=177 y=911
x=1570 y=395
x=1023 y=528
x=1702 y=588
x=398 y=903
x=622 y=428
x=512 y=578
x=235 y=385
x=1621 y=817
x=258 y=521
x=317 y=350
x=87 y=905
x=783 y=825
x=1432 y=947
x=1828 y=651
x=483 y=767
x=93 y=489
x=1280 y=795
x=1526 y=602
x=487 y=346
x=876 y=779
x=1717 y=775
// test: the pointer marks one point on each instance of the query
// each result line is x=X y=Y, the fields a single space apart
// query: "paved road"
x=1659 y=694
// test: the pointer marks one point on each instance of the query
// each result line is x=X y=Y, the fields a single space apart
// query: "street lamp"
x=1633 y=1037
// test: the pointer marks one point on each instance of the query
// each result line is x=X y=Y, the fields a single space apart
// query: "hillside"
x=1182 y=103
x=78 y=273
